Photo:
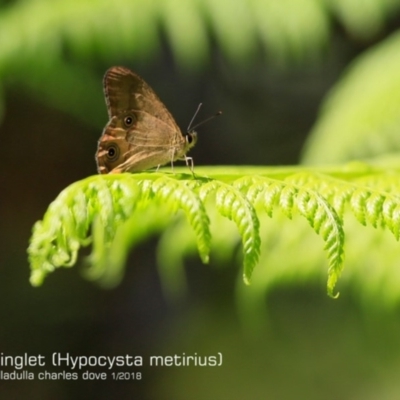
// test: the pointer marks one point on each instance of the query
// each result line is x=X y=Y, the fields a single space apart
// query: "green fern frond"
x=66 y=224
x=366 y=197
x=180 y=196
x=86 y=31
x=269 y=193
x=290 y=30
x=360 y=117
x=363 y=19
x=116 y=207
x=115 y=212
x=234 y=206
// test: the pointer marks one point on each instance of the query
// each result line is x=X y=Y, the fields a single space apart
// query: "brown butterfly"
x=141 y=133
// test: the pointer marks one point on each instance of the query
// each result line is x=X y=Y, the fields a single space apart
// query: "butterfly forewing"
x=125 y=90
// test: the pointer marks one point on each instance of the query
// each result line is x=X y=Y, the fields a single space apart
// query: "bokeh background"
x=271 y=67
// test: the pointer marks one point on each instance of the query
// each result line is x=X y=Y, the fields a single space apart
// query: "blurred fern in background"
x=57 y=42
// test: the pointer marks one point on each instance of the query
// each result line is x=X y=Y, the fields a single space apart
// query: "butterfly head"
x=191 y=139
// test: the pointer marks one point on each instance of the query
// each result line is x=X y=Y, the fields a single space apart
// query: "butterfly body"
x=141 y=133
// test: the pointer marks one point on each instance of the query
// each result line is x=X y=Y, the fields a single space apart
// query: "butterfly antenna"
x=192 y=128
x=193 y=118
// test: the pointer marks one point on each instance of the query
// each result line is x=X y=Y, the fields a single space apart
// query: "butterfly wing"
x=141 y=133
x=126 y=90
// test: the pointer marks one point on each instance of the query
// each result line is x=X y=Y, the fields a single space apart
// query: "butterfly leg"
x=190 y=164
x=172 y=161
